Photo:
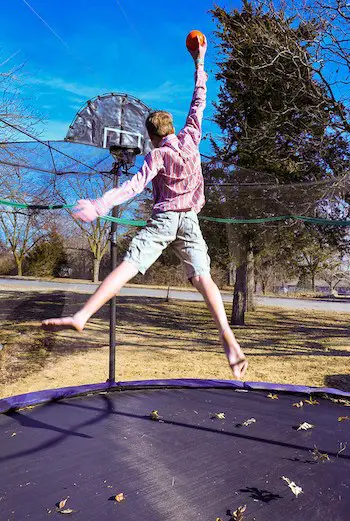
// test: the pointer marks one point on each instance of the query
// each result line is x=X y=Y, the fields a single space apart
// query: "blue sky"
x=92 y=47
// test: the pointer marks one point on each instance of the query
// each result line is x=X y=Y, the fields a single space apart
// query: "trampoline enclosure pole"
x=113 y=301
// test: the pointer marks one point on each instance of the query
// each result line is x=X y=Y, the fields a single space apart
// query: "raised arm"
x=88 y=210
x=193 y=124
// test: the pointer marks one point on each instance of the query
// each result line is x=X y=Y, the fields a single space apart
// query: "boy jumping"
x=174 y=167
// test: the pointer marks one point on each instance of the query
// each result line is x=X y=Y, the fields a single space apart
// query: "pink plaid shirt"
x=174 y=167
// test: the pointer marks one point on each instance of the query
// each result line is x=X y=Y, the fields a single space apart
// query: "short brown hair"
x=160 y=123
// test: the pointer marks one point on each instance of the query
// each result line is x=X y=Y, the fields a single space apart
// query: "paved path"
x=132 y=291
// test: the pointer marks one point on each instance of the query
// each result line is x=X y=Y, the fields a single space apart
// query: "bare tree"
x=21 y=227
x=335 y=270
x=21 y=232
x=15 y=110
x=331 y=49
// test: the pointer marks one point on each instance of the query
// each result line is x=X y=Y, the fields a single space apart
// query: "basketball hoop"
x=124 y=156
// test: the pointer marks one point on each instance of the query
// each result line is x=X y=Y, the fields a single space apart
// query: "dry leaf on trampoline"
x=238 y=514
x=319 y=456
x=249 y=422
x=272 y=396
x=305 y=426
x=293 y=486
x=298 y=404
x=342 y=447
x=62 y=503
x=154 y=415
x=311 y=401
x=219 y=415
x=342 y=401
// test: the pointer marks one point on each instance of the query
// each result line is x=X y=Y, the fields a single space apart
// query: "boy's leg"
x=207 y=287
x=192 y=249
x=108 y=289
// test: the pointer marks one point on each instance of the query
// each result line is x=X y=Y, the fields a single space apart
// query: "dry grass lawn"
x=158 y=339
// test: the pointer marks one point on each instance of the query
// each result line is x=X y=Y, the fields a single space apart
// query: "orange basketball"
x=194 y=39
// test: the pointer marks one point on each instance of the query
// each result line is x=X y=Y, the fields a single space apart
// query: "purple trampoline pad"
x=188 y=466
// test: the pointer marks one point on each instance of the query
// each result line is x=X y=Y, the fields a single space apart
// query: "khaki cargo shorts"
x=182 y=231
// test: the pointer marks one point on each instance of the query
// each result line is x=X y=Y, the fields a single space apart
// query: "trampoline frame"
x=41 y=397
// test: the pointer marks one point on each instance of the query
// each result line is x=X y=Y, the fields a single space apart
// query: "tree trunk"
x=231 y=268
x=232 y=246
x=333 y=282
x=239 y=295
x=250 y=280
x=96 y=270
x=313 y=281
x=19 y=263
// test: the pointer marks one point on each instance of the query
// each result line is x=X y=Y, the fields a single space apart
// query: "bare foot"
x=234 y=353
x=74 y=322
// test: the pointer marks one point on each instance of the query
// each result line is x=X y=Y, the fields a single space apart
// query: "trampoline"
x=213 y=447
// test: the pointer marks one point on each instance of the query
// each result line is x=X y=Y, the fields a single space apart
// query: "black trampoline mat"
x=189 y=466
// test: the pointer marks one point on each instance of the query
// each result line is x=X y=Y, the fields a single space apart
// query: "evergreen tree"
x=47 y=258
x=279 y=127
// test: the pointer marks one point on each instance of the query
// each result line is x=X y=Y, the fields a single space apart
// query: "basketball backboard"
x=112 y=120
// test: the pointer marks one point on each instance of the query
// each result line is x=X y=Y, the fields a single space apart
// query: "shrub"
x=7 y=264
x=48 y=257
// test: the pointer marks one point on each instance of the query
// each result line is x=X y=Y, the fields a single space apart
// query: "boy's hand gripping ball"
x=194 y=40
